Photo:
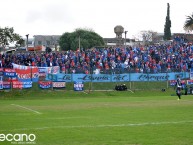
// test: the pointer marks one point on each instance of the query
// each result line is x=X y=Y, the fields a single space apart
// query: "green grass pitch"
x=98 y=118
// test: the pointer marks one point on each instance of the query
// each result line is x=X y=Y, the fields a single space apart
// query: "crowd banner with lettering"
x=42 y=71
x=17 y=85
x=78 y=86
x=173 y=82
x=11 y=79
x=26 y=73
x=59 y=77
x=189 y=82
x=1 y=82
x=48 y=70
x=45 y=84
x=27 y=84
x=58 y=85
x=115 y=78
x=54 y=70
x=1 y=71
x=191 y=73
x=91 y=78
x=6 y=85
x=9 y=73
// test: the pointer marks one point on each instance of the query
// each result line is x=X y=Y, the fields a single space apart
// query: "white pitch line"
x=104 y=125
x=26 y=108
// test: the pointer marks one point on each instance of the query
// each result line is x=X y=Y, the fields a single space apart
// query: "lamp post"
x=34 y=43
x=125 y=38
x=27 y=42
x=30 y=64
x=27 y=50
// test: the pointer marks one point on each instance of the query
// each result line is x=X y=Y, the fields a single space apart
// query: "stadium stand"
x=176 y=56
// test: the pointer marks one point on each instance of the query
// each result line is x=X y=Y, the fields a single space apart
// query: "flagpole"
x=31 y=70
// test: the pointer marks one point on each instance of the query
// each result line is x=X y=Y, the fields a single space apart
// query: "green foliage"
x=86 y=37
x=21 y=41
x=188 y=26
x=64 y=40
x=167 y=30
x=7 y=36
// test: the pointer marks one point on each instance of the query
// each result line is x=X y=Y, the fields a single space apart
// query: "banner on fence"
x=42 y=71
x=27 y=84
x=59 y=85
x=173 y=82
x=191 y=73
x=17 y=85
x=11 y=79
x=78 y=86
x=6 y=85
x=1 y=71
x=115 y=77
x=9 y=72
x=189 y=82
x=48 y=70
x=59 y=77
x=44 y=84
x=26 y=73
x=54 y=70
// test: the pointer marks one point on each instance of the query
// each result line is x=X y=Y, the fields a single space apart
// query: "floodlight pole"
x=27 y=42
x=34 y=43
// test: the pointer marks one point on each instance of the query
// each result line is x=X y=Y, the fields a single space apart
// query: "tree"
x=149 y=37
x=64 y=41
x=7 y=36
x=20 y=42
x=188 y=26
x=167 y=31
x=86 y=38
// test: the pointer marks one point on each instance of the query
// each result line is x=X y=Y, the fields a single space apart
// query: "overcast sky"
x=54 y=17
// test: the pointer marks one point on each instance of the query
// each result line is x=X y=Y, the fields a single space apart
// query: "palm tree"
x=188 y=26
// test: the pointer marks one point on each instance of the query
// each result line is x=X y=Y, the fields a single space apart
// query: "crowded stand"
x=175 y=56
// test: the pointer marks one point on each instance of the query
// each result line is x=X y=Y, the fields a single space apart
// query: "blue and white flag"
x=78 y=86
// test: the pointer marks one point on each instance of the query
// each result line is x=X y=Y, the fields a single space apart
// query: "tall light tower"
x=30 y=64
x=27 y=42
